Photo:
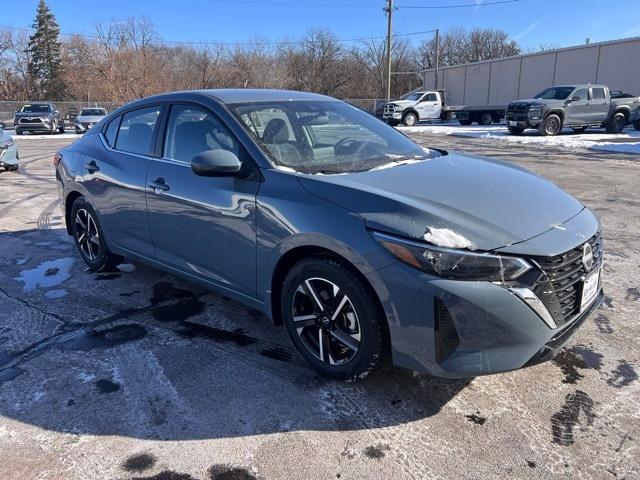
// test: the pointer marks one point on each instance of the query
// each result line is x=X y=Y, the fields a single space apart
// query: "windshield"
x=36 y=108
x=414 y=97
x=555 y=93
x=324 y=136
x=92 y=112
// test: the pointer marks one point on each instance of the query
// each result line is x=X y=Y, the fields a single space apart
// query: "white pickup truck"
x=431 y=105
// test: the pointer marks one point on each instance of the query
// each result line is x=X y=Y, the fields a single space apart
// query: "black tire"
x=636 y=125
x=11 y=168
x=393 y=123
x=485 y=118
x=409 y=119
x=358 y=317
x=95 y=254
x=54 y=128
x=61 y=128
x=516 y=130
x=551 y=125
x=18 y=132
x=579 y=129
x=465 y=122
x=616 y=123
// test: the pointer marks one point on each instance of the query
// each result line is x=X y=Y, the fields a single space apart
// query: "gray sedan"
x=366 y=246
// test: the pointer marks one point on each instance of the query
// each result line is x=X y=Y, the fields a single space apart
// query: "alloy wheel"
x=326 y=321
x=87 y=234
x=552 y=126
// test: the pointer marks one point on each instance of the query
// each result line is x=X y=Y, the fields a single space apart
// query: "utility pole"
x=389 y=10
x=437 y=57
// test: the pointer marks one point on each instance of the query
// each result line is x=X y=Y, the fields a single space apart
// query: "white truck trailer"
x=480 y=92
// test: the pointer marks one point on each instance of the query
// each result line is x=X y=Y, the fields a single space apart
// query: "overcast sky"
x=531 y=22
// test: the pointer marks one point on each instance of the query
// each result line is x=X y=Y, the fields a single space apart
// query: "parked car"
x=575 y=106
x=8 y=151
x=365 y=245
x=38 y=117
x=87 y=118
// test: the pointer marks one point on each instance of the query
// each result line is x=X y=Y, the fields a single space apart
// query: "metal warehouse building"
x=497 y=82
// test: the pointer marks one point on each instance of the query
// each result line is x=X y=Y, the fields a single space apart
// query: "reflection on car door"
x=115 y=175
x=429 y=107
x=203 y=226
x=577 y=112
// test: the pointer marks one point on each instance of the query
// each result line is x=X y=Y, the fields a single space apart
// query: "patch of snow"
x=445 y=238
x=55 y=293
x=29 y=136
x=285 y=169
x=592 y=139
x=46 y=275
x=395 y=164
x=21 y=261
x=127 y=267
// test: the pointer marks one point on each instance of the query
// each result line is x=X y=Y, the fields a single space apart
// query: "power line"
x=465 y=5
x=296 y=4
x=188 y=42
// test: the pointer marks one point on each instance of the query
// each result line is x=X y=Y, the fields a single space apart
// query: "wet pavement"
x=138 y=374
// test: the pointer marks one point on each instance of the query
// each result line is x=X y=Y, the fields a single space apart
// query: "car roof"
x=250 y=95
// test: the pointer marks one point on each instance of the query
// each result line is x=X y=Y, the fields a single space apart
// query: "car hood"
x=89 y=118
x=31 y=115
x=403 y=103
x=537 y=101
x=487 y=203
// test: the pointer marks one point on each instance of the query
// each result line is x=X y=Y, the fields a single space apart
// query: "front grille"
x=517 y=108
x=389 y=109
x=30 y=120
x=561 y=286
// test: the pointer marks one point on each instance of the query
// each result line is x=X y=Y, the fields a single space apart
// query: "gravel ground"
x=137 y=374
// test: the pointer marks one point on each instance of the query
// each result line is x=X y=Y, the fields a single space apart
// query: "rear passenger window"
x=136 y=130
x=112 y=131
x=598 y=93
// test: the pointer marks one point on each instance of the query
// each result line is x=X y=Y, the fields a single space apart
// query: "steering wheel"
x=346 y=143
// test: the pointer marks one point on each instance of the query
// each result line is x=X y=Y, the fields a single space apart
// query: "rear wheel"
x=409 y=119
x=579 y=129
x=485 y=118
x=516 y=130
x=89 y=238
x=616 y=123
x=332 y=318
x=551 y=125
x=465 y=122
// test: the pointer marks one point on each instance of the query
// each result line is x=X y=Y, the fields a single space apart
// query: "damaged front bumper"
x=457 y=328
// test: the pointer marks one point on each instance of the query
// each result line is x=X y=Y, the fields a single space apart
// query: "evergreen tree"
x=45 y=65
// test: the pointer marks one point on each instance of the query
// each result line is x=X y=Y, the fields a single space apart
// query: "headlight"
x=454 y=264
x=7 y=143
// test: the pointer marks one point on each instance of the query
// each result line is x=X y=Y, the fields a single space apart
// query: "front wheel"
x=409 y=119
x=551 y=125
x=485 y=119
x=61 y=129
x=332 y=318
x=89 y=238
x=616 y=123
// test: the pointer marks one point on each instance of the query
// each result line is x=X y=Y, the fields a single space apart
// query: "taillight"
x=56 y=159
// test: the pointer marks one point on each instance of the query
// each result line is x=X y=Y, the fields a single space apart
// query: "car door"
x=115 y=173
x=429 y=106
x=203 y=226
x=577 y=111
x=598 y=105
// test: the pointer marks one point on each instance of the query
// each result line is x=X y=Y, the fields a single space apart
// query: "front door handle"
x=159 y=185
x=92 y=166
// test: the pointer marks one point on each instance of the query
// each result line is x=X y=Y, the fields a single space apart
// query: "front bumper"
x=523 y=119
x=459 y=329
x=33 y=127
x=9 y=156
x=392 y=116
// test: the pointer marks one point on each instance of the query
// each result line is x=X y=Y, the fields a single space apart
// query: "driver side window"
x=192 y=130
x=583 y=93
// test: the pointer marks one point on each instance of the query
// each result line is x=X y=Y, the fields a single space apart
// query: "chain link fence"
x=69 y=110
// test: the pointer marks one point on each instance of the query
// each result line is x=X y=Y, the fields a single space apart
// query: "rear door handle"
x=92 y=166
x=159 y=185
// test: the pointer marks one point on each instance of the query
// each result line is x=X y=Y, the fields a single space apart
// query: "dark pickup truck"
x=38 y=117
x=575 y=106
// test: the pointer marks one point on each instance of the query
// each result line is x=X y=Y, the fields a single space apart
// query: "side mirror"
x=216 y=163
x=575 y=98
